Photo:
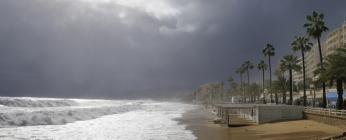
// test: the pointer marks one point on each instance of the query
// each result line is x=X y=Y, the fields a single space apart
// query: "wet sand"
x=200 y=121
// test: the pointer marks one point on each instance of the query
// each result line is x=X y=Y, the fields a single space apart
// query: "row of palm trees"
x=334 y=69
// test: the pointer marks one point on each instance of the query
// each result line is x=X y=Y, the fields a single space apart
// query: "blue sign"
x=333 y=96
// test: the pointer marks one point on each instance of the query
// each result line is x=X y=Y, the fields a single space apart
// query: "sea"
x=27 y=118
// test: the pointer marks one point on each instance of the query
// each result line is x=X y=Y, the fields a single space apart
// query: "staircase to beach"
x=237 y=120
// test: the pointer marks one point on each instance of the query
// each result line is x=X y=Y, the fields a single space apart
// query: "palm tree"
x=315 y=26
x=280 y=74
x=289 y=62
x=222 y=86
x=247 y=65
x=241 y=71
x=303 y=45
x=276 y=87
x=336 y=72
x=214 y=92
x=230 y=80
x=254 y=90
x=269 y=51
x=232 y=85
x=262 y=66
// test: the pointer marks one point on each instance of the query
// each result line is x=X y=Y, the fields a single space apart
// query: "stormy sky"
x=141 y=48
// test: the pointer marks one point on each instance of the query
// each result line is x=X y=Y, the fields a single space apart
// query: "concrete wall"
x=262 y=113
x=279 y=113
x=339 y=122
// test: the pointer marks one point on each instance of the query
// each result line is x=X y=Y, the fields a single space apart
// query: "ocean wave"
x=154 y=121
x=82 y=110
x=35 y=102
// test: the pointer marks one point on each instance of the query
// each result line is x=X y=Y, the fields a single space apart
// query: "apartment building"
x=335 y=39
x=312 y=61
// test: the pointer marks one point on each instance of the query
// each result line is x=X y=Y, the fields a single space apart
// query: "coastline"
x=200 y=122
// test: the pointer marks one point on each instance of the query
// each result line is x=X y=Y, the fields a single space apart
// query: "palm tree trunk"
x=304 y=86
x=229 y=91
x=248 y=83
x=290 y=102
x=339 y=87
x=284 y=88
x=276 y=97
x=264 y=97
x=241 y=85
x=248 y=77
x=314 y=101
x=322 y=68
x=284 y=96
x=270 y=80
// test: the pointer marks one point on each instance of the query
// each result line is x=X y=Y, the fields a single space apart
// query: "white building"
x=335 y=39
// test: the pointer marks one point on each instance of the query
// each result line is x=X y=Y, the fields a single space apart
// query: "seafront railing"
x=326 y=112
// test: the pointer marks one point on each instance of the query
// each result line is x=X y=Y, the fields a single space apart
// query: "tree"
x=263 y=67
x=276 y=87
x=280 y=74
x=254 y=90
x=232 y=86
x=269 y=51
x=221 y=91
x=230 y=80
x=241 y=71
x=335 y=71
x=315 y=26
x=289 y=62
x=247 y=65
x=216 y=92
x=303 y=45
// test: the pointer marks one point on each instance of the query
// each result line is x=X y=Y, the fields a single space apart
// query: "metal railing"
x=327 y=112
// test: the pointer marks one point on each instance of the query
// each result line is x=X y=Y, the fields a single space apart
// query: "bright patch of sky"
x=157 y=8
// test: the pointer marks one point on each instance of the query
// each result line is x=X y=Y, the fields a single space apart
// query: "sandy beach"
x=200 y=121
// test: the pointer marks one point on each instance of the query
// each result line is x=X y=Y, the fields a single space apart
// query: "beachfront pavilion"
x=258 y=113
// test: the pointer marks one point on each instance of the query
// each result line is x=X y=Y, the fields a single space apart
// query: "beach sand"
x=200 y=121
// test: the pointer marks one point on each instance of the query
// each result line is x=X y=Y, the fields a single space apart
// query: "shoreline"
x=200 y=122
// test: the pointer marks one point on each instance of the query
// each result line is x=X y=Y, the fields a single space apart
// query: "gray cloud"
x=115 y=48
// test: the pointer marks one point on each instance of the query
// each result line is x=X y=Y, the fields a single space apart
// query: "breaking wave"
x=36 y=111
x=148 y=120
x=35 y=102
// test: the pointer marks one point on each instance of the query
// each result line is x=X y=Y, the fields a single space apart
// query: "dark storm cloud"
x=119 y=48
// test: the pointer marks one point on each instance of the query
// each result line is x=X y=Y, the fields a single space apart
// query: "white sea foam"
x=53 y=113
x=35 y=102
x=112 y=120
